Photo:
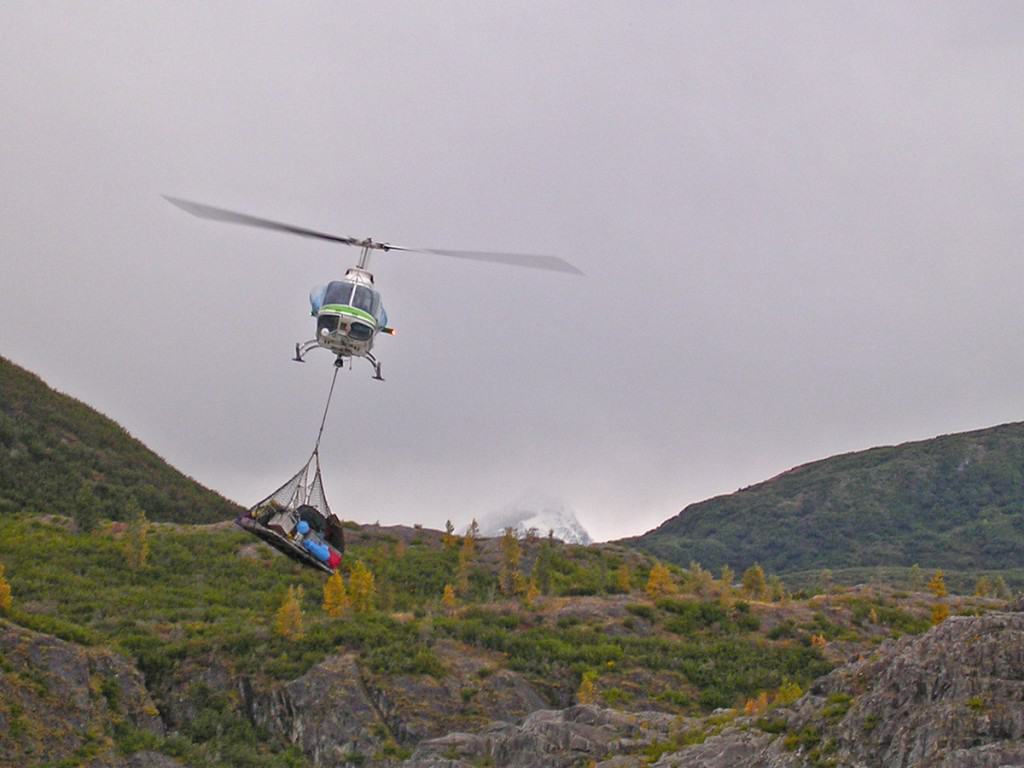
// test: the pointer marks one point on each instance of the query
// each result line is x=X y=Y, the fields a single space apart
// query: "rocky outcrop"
x=472 y=693
x=59 y=699
x=341 y=714
x=736 y=747
x=547 y=739
x=952 y=698
x=327 y=712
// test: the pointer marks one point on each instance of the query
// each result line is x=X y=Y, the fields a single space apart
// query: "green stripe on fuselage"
x=345 y=309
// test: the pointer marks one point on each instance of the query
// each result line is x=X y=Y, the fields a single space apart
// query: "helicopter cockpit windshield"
x=337 y=292
x=348 y=295
x=365 y=299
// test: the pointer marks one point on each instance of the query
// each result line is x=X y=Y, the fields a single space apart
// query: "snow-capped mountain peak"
x=540 y=514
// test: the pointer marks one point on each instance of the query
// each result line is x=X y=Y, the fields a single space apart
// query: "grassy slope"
x=208 y=596
x=212 y=592
x=955 y=502
x=51 y=443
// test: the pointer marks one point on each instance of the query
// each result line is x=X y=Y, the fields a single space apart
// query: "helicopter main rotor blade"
x=533 y=261
x=552 y=263
x=233 y=217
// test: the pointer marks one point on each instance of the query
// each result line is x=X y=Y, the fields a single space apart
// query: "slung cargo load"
x=297 y=520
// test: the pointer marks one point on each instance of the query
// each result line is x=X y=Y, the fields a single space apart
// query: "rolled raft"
x=320 y=551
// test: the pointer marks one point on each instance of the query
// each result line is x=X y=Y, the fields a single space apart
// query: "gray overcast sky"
x=800 y=223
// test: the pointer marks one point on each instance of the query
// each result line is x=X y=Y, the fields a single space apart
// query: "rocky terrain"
x=160 y=644
x=58 y=700
x=952 y=697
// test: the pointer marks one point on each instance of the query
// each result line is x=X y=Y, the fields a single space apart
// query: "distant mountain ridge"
x=954 y=501
x=50 y=444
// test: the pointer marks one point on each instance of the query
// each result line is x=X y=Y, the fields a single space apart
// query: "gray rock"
x=148 y=759
x=54 y=693
x=952 y=698
x=468 y=697
x=327 y=712
x=547 y=739
x=338 y=713
x=142 y=759
x=734 y=748
x=178 y=703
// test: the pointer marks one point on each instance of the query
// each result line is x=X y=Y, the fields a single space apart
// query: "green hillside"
x=198 y=620
x=50 y=444
x=120 y=642
x=954 y=502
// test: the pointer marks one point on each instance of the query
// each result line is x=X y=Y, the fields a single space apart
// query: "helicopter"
x=349 y=312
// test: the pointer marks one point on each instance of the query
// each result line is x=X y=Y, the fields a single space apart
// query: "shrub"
x=643 y=611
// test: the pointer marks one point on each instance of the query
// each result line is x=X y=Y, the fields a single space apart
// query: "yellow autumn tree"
x=587 y=693
x=788 y=693
x=1000 y=589
x=940 y=612
x=288 y=619
x=659 y=582
x=448 y=599
x=755 y=585
x=757 y=705
x=937 y=584
x=448 y=538
x=467 y=558
x=531 y=594
x=983 y=587
x=336 y=599
x=511 y=554
x=6 y=601
x=699 y=580
x=914 y=577
x=362 y=588
x=726 y=581
x=623 y=579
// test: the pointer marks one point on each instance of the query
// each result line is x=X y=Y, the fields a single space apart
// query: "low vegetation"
x=98 y=547
x=211 y=592
x=954 y=502
x=60 y=455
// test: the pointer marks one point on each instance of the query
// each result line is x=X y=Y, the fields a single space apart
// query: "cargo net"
x=296 y=518
x=306 y=488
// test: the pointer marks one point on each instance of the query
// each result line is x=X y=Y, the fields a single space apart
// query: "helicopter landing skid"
x=302 y=349
x=339 y=361
x=376 y=367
